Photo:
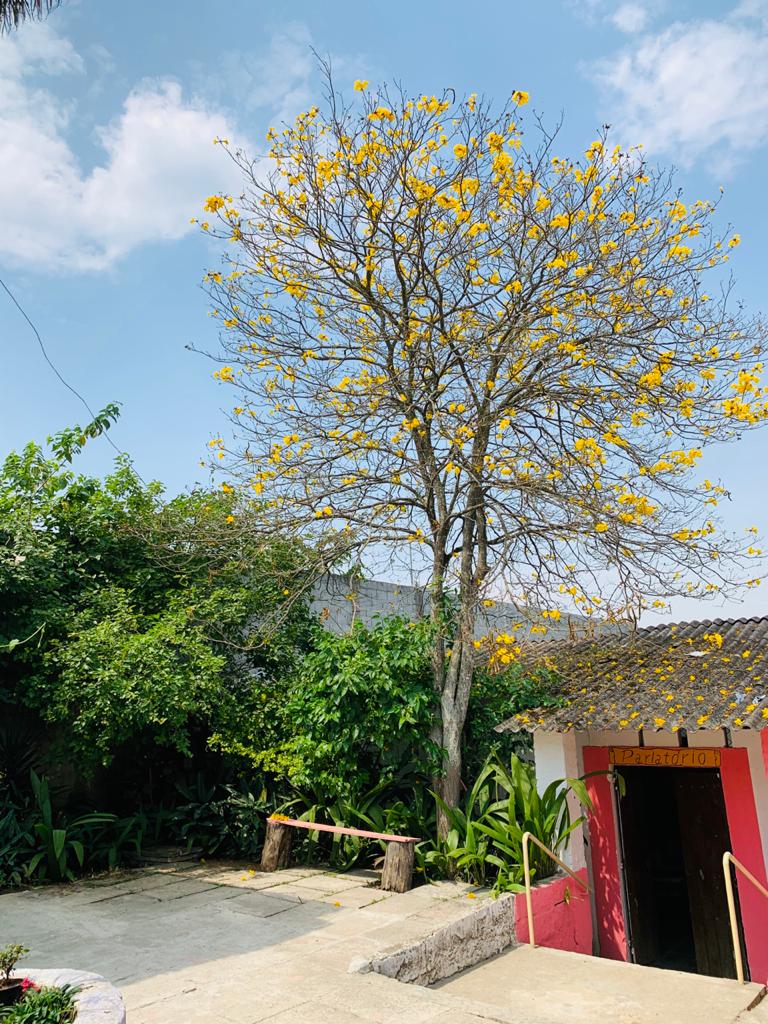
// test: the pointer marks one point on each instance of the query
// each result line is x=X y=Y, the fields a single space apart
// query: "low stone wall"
x=562 y=916
x=98 y=1002
x=473 y=937
x=562 y=920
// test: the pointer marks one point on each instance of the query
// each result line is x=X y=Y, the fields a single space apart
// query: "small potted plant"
x=11 y=989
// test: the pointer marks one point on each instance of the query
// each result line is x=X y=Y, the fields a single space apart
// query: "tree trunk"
x=453 y=713
x=398 y=867
x=277 y=847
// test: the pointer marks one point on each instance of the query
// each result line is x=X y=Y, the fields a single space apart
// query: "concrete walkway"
x=221 y=944
x=549 y=986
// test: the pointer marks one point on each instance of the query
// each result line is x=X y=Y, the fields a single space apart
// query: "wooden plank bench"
x=396 y=876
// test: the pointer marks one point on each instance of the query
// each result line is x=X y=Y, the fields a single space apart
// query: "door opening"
x=674 y=832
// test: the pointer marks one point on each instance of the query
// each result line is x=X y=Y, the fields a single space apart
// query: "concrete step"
x=548 y=986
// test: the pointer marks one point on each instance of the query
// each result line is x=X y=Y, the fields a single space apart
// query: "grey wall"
x=340 y=600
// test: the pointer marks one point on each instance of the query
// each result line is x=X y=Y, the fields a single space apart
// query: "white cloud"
x=698 y=88
x=158 y=163
x=630 y=18
x=280 y=80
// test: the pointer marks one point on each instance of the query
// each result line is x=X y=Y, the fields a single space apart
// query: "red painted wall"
x=557 y=924
x=746 y=846
x=611 y=930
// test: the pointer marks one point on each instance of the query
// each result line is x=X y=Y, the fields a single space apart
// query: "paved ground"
x=546 y=985
x=219 y=944
x=224 y=945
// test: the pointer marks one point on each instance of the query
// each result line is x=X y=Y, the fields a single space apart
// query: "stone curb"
x=98 y=1002
x=449 y=949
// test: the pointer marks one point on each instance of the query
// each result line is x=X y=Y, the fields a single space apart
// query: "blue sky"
x=107 y=115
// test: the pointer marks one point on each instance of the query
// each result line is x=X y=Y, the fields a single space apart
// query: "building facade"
x=668 y=724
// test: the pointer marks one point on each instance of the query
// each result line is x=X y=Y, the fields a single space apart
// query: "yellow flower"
x=601 y=527
x=459 y=150
x=213 y=203
x=361 y=84
x=520 y=97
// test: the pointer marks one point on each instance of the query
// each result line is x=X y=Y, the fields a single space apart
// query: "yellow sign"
x=665 y=757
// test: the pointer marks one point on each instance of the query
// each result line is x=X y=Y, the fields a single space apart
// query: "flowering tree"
x=441 y=334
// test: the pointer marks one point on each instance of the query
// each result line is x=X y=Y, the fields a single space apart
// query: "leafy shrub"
x=486 y=831
x=47 y=1005
x=360 y=706
x=221 y=820
x=17 y=843
x=9 y=957
x=495 y=697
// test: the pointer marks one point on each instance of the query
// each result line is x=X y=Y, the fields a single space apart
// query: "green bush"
x=47 y=1005
x=359 y=707
x=220 y=820
x=486 y=833
x=495 y=697
x=151 y=620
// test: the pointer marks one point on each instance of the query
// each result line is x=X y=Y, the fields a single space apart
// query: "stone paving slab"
x=222 y=943
x=226 y=944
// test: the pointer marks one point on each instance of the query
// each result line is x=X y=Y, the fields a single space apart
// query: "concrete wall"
x=341 y=600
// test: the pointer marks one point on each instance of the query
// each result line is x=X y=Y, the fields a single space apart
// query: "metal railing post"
x=528 y=898
x=729 y=859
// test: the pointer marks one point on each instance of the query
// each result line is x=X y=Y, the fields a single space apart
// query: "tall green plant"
x=361 y=705
x=484 y=842
x=58 y=847
x=545 y=815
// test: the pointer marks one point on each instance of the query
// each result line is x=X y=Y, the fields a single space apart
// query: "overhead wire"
x=55 y=369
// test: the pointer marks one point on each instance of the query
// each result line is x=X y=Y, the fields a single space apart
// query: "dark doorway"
x=674 y=832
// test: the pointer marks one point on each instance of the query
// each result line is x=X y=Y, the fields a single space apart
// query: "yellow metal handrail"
x=729 y=859
x=527 y=871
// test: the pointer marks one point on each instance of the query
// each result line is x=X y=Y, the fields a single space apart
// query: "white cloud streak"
x=158 y=162
x=697 y=89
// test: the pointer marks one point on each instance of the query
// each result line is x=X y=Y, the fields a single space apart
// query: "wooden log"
x=398 y=867
x=277 y=847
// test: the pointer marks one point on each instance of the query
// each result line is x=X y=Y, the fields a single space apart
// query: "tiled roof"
x=691 y=675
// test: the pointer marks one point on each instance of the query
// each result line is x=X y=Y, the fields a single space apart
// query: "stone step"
x=548 y=986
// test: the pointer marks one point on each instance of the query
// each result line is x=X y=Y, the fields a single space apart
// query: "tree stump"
x=398 y=867
x=277 y=847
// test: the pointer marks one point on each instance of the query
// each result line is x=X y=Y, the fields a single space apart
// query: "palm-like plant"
x=14 y=12
x=486 y=832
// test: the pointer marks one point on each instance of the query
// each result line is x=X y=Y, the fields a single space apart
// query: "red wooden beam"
x=314 y=826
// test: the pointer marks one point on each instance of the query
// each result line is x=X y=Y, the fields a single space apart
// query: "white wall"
x=556 y=757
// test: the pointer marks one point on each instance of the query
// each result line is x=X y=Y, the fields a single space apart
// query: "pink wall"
x=746 y=846
x=557 y=924
x=611 y=930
